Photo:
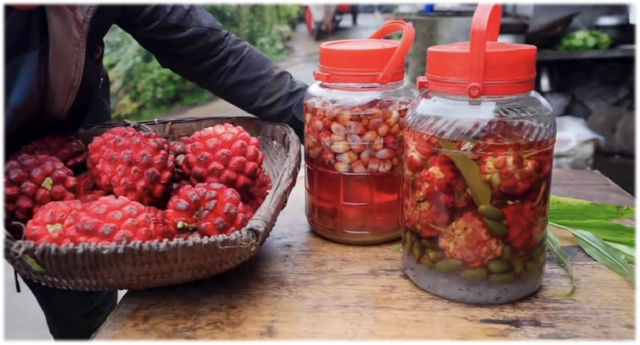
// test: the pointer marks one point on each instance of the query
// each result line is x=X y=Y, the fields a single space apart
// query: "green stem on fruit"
x=189 y=227
x=480 y=190
x=47 y=184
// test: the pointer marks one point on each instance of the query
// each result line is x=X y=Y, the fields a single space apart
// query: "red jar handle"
x=408 y=36
x=485 y=27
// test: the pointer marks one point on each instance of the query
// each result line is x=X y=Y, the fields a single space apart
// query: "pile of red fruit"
x=129 y=185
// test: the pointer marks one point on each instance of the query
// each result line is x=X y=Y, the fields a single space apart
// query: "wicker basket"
x=157 y=264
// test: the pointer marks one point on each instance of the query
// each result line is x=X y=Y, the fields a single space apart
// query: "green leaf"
x=397 y=248
x=608 y=231
x=33 y=263
x=563 y=259
x=603 y=253
x=480 y=190
x=628 y=252
x=561 y=208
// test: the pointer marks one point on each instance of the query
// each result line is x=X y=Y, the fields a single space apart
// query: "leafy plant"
x=582 y=40
x=611 y=244
x=142 y=89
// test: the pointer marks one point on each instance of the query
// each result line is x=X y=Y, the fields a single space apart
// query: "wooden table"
x=303 y=287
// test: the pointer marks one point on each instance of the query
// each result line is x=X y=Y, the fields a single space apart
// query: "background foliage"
x=142 y=89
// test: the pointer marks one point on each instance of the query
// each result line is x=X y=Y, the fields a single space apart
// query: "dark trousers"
x=73 y=315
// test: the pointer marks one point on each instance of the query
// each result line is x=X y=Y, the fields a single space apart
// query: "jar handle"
x=408 y=36
x=485 y=27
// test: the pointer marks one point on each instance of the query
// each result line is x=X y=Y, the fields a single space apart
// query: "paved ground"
x=23 y=318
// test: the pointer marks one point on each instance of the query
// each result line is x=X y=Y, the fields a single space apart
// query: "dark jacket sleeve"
x=190 y=42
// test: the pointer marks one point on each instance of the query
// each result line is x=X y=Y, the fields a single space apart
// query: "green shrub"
x=142 y=89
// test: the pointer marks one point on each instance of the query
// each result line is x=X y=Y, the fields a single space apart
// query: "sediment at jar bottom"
x=511 y=275
x=358 y=139
x=473 y=286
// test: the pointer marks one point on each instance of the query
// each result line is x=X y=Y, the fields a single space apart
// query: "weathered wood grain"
x=303 y=287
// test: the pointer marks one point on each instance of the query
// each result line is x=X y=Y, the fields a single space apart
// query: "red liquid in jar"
x=353 y=207
x=353 y=181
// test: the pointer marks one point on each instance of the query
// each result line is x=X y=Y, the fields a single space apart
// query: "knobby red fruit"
x=68 y=149
x=256 y=195
x=508 y=172
x=211 y=209
x=224 y=154
x=112 y=219
x=468 y=240
x=523 y=226
x=134 y=164
x=87 y=189
x=32 y=181
x=178 y=149
x=160 y=226
x=443 y=183
x=422 y=214
x=51 y=223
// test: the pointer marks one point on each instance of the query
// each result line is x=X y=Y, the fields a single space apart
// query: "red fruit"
x=87 y=189
x=443 y=183
x=422 y=214
x=178 y=149
x=68 y=149
x=134 y=164
x=160 y=226
x=524 y=226
x=3 y=181
x=256 y=195
x=414 y=162
x=50 y=224
x=508 y=172
x=33 y=181
x=209 y=208
x=113 y=219
x=468 y=240
x=224 y=154
x=442 y=173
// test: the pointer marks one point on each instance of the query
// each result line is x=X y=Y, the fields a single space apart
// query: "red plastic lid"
x=364 y=61
x=483 y=66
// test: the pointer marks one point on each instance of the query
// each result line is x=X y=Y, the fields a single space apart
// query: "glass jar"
x=477 y=170
x=354 y=119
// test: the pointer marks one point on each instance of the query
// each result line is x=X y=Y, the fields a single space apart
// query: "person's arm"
x=190 y=42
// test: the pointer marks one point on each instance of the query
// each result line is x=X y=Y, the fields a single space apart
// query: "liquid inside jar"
x=475 y=215
x=353 y=178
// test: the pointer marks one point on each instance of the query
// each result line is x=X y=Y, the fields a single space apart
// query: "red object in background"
x=23 y=5
x=344 y=8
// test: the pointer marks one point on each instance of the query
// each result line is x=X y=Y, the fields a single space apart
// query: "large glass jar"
x=354 y=119
x=477 y=170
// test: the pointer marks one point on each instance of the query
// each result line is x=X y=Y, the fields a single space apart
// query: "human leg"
x=73 y=315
